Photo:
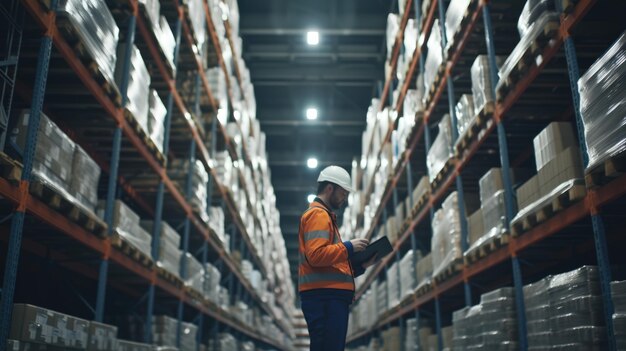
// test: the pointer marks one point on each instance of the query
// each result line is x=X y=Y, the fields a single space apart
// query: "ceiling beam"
x=280 y=24
x=325 y=73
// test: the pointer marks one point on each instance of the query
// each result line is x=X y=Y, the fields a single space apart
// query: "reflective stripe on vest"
x=317 y=234
x=325 y=277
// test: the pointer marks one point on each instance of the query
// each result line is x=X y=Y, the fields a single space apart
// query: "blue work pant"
x=327 y=321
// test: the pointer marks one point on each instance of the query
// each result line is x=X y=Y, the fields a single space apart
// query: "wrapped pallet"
x=169 y=254
x=482 y=89
x=126 y=224
x=138 y=82
x=54 y=152
x=102 y=337
x=393 y=286
x=446 y=240
x=167 y=40
x=194 y=274
x=434 y=58
x=156 y=120
x=125 y=345
x=533 y=9
x=441 y=150
x=407 y=274
x=393 y=26
x=602 y=93
x=84 y=179
x=179 y=172
x=97 y=30
x=454 y=16
x=618 y=294
x=424 y=269
x=464 y=113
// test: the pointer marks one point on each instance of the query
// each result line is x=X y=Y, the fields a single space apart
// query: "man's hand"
x=370 y=262
x=359 y=244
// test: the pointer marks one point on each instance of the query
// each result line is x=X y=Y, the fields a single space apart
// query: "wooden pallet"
x=527 y=61
x=170 y=277
x=452 y=269
x=477 y=127
x=456 y=37
x=67 y=30
x=423 y=289
x=75 y=212
x=433 y=87
x=486 y=248
x=548 y=210
x=441 y=176
x=143 y=135
x=10 y=169
x=607 y=170
x=421 y=202
x=194 y=294
x=131 y=251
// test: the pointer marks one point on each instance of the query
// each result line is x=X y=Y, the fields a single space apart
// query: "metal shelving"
x=19 y=194
x=588 y=208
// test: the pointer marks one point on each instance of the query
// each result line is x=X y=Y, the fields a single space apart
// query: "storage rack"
x=112 y=263
x=456 y=291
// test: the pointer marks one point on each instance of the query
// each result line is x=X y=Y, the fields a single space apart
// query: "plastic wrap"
x=434 y=58
x=493 y=212
x=603 y=104
x=85 y=177
x=194 y=273
x=97 y=30
x=102 y=337
x=393 y=286
x=54 y=151
x=412 y=104
x=464 y=113
x=393 y=25
x=127 y=225
x=454 y=15
x=138 y=83
x=440 y=151
x=164 y=330
x=153 y=10
x=156 y=119
x=188 y=337
x=167 y=41
x=525 y=42
x=179 y=171
x=381 y=297
x=482 y=89
x=410 y=39
x=198 y=21
x=169 y=242
x=446 y=240
x=546 y=199
x=532 y=10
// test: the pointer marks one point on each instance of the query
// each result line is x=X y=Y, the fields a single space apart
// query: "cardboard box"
x=446 y=334
x=476 y=226
x=424 y=268
x=556 y=137
x=102 y=337
x=39 y=325
x=528 y=192
x=124 y=345
x=565 y=166
x=15 y=345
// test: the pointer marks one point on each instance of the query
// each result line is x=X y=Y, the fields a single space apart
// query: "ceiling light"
x=311 y=113
x=313 y=37
x=310 y=198
x=311 y=162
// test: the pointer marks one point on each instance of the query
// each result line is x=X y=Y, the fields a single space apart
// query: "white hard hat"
x=336 y=175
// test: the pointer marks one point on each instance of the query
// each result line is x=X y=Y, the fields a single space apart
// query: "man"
x=326 y=277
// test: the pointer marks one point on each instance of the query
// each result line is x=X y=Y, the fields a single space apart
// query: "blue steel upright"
x=17 y=222
x=508 y=185
x=599 y=234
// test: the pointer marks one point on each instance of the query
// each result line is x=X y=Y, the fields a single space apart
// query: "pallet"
x=548 y=210
x=10 y=169
x=131 y=251
x=143 y=135
x=170 y=277
x=606 y=171
x=75 y=212
x=423 y=289
x=477 y=127
x=452 y=269
x=421 y=202
x=441 y=176
x=527 y=61
x=67 y=30
x=456 y=37
x=486 y=248
x=433 y=87
x=194 y=294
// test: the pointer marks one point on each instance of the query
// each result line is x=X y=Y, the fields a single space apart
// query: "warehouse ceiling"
x=339 y=76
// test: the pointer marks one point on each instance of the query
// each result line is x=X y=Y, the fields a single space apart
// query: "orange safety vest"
x=323 y=257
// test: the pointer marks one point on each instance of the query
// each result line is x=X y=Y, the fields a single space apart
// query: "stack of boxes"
x=558 y=163
x=482 y=89
x=212 y=280
x=490 y=325
x=194 y=273
x=618 y=293
x=97 y=30
x=434 y=58
x=424 y=270
x=407 y=273
x=126 y=224
x=179 y=172
x=565 y=311
x=138 y=82
x=161 y=29
x=124 y=345
x=454 y=15
x=393 y=286
x=164 y=330
x=391 y=339
x=156 y=119
x=446 y=241
x=602 y=92
x=169 y=242
x=102 y=337
x=464 y=112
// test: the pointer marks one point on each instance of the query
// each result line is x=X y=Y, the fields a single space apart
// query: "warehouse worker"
x=325 y=275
